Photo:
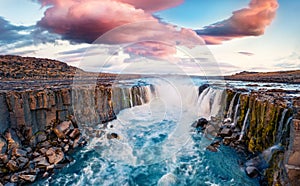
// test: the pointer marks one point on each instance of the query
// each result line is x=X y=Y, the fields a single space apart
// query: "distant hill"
x=17 y=67
x=280 y=76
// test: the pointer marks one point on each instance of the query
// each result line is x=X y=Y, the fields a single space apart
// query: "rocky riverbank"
x=260 y=126
x=26 y=156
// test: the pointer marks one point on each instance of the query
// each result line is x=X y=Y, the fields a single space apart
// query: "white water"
x=280 y=126
x=235 y=118
x=243 y=131
x=157 y=144
x=231 y=105
x=210 y=103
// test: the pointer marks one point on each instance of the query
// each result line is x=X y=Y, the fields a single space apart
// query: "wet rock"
x=212 y=148
x=18 y=152
x=227 y=140
x=113 y=136
x=252 y=172
x=75 y=133
x=202 y=122
x=211 y=130
x=225 y=132
x=216 y=144
x=62 y=128
x=45 y=175
x=55 y=155
x=27 y=177
x=202 y=88
x=3 y=145
x=12 y=165
x=227 y=121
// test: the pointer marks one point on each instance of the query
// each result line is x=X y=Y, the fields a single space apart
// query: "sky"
x=197 y=37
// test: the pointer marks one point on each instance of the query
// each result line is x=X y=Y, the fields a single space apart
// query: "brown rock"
x=27 y=177
x=212 y=148
x=19 y=152
x=75 y=133
x=55 y=155
x=43 y=163
x=62 y=128
x=3 y=158
x=3 y=145
x=12 y=165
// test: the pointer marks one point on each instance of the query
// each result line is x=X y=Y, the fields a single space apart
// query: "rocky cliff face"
x=89 y=104
x=265 y=120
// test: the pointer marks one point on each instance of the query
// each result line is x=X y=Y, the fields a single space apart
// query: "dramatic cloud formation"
x=251 y=21
x=85 y=21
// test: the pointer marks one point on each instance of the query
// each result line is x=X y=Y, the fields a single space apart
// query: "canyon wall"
x=267 y=119
x=89 y=104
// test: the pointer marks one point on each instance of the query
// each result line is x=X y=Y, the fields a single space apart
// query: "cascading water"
x=244 y=128
x=156 y=144
x=235 y=117
x=231 y=105
x=280 y=126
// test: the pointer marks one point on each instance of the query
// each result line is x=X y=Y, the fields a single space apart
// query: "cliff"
x=266 y=120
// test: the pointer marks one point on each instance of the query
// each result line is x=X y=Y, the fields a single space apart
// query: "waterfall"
x=280 y=126
x=230 y=108
x=236 y=112
x=210 y=103
x=244 y=125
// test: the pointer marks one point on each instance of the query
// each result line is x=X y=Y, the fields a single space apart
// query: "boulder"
x=61 y=129
x=22 y=161
x=212 y=148
x=202 y=122
x=225 y=132
x=55 y=155
x=42 y=163
x=113 y=136
x=27 y=177
x=18 y=152
x=12 y=165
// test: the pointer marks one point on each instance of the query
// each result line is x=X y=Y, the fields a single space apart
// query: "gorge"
x=139 y=131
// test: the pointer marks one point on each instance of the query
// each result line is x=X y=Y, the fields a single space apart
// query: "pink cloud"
x=85 y=21
x=153 y=5
x=251 y=21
